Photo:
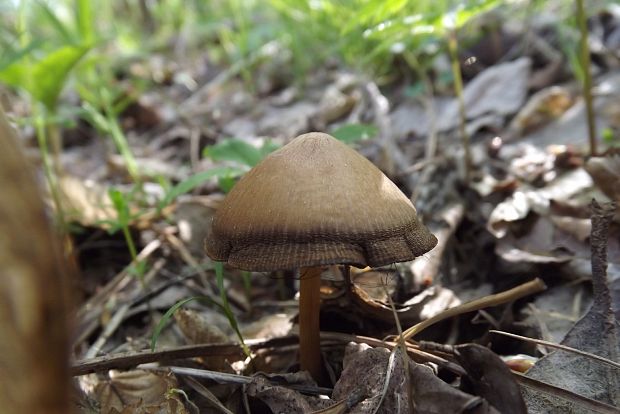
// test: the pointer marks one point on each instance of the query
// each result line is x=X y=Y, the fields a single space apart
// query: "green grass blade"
x=84 y=21
x=195 y=180
x=164 y=320
x=219 y=274
x=59 y=27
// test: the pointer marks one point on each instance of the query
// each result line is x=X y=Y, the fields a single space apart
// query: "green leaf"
x=195 y=180
x=50 y=73
x=14 y=75
x=226 y=183
x=268 y=147
x=236 y=150
x=354 y=132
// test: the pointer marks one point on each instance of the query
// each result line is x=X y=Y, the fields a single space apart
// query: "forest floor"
x=161 y=328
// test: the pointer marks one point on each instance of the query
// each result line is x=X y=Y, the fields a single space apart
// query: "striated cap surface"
x=314 y=202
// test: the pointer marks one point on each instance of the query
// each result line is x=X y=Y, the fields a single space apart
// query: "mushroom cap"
x=313 y=202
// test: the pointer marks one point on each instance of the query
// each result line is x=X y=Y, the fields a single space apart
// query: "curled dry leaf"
x=541 y=108
x=430 y=301
x=85 y=201
x=542 y=244
x=432 y=395
x=207 y=327
x=269 y=326
x=376 y=284
x=489 y=377
x=333 y=105
x=172 y=405
x=570 y=128
x=519 y=205
x=138 y=388
x=202 y=328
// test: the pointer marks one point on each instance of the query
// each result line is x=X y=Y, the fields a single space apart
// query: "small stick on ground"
x=558 y=346
x=510 y=295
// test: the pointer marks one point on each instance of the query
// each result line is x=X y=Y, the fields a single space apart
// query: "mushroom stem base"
x=309 y=329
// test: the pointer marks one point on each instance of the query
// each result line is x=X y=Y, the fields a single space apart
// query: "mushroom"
x=312 y=203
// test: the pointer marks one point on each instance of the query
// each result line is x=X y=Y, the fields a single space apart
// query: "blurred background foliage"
x=99 y=56
x=371 y=36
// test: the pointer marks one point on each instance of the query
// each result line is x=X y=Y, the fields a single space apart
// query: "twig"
x=110 y=328
x=393 y=157
x=91 y=310
x=510 y=295
x=132 y=359
x=119 y=317
x=412 y=350
x=559 y=346
x=204 y=391
x=185 y=254
x=224 y=378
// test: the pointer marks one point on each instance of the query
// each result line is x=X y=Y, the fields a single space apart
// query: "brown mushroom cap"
x=314 y=202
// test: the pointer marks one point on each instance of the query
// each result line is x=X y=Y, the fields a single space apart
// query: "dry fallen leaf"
x=519 y=205
x=605 y=171
x=598 y=332
x=541 y=108
x=500 y=89
x=284 y=400
x=202 y=328
x=136 y=388
x=366 y=371
x=489 y=377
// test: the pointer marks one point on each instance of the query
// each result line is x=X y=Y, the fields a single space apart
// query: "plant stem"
x=584 y=60
x=429 y=104
x=130 y=244
x=48 y=168
x=458 y=89
x=510 y=295
x=309 y=327
x=118 y=137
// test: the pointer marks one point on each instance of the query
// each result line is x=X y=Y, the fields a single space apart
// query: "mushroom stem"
x=309 y=330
